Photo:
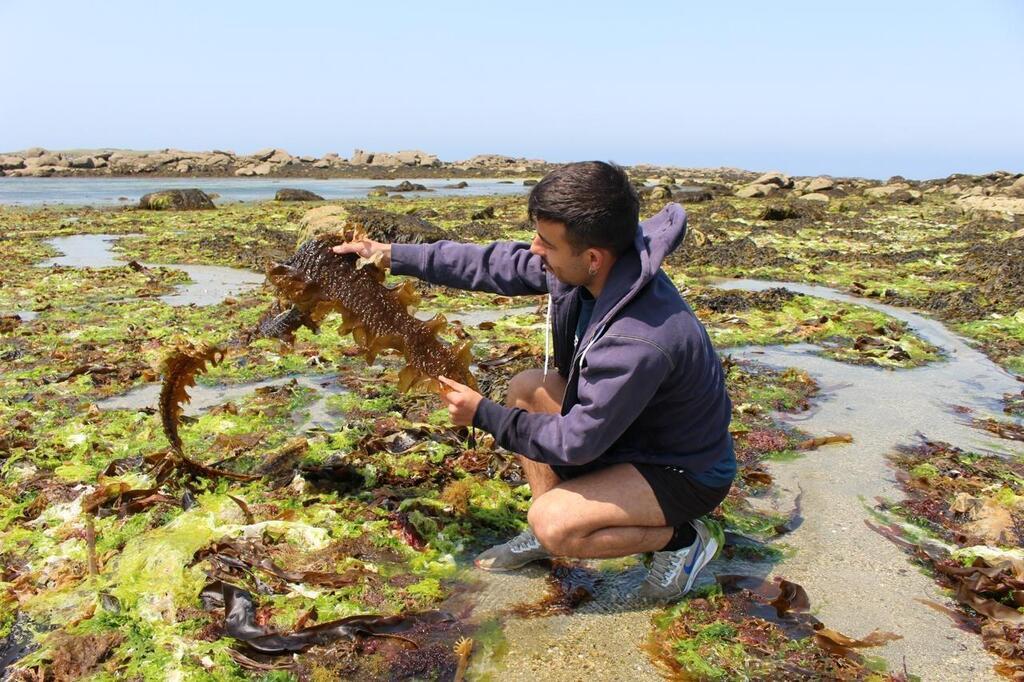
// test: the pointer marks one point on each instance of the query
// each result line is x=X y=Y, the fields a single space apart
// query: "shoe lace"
x=666 y=566
x=523 y=542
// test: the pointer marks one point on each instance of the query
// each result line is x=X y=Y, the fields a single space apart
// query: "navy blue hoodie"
x=644 y=384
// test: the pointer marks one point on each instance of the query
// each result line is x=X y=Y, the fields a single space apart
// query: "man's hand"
x=368 y=249
x=462 y=402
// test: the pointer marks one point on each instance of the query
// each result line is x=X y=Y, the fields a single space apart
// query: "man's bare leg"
x=533 y=392
x=610 y=512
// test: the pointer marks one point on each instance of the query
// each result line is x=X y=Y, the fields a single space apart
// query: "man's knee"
x=547 y=519
x=523 y=387
x=530 y=390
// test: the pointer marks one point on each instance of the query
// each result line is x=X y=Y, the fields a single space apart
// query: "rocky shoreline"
x=999 y=191
x=269 y=162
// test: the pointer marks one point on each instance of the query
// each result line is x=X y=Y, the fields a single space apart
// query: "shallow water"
x=205 y=397
x=121 y=191
x=210 y=284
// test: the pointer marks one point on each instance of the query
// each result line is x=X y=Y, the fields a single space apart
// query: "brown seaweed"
x=318 y=282
x=180 y=368
x=240 y=623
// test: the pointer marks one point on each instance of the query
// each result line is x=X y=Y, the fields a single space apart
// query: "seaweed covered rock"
x=290 y=194
x=176 y=200
x=380 y=225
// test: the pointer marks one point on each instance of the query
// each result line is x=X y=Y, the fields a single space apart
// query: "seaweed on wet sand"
x=964 y=519
x=748 y=628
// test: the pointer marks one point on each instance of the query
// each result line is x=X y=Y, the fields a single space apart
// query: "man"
x=627 y=444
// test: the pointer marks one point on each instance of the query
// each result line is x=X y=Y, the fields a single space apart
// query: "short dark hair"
x=594 y=200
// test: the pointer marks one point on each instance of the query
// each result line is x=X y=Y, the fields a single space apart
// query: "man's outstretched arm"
x=506 y=268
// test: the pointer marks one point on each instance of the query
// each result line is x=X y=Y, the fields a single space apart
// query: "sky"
x=866 y=88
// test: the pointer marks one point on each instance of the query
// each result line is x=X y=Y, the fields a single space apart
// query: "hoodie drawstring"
x=547 y=338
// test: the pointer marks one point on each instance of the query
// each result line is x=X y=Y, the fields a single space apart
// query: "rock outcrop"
x=176 y=200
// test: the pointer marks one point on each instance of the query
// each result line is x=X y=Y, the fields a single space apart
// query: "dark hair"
x=594 y=200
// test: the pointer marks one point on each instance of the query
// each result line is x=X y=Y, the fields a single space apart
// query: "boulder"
x=821 y=183
x=530 y=183
x=885 y=190
x=1005 y=205
x=263 y=154
x=777 y=178
x=245 y=171
x=81 y=162
x=403 y=186
x=263 y=169
x=322 y=219
x=692 y=194
x=280 y=156
x=380 y=225
x=33 y=152
x=322 y=163
x=815 y=197
x=11 y=162
x=361 y=158
x=176 y=200
x=1017 y=188
x=755 y=190
x=483 y=214
x=43 y=160
x=289 y=194
x=666 y=180
x=661 y=192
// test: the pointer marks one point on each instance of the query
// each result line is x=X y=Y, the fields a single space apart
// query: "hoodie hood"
x=655 y=239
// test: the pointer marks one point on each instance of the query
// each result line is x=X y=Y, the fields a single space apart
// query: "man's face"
x=552 y=245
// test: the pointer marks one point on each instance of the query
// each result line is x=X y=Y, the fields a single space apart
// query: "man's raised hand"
x=368 y=250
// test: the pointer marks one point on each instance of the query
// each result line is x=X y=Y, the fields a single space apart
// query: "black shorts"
x=680 y=496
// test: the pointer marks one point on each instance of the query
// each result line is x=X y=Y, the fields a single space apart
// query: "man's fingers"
x=351 y=247
x=454 y=385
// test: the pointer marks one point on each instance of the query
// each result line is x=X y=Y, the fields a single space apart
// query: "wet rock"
x=404 y=186
x=176 y=200
x=289 y=194
x=458 y=185
x=529 y=183
x=483 y=214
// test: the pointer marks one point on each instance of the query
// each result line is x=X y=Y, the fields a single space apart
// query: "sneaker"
x=673 y=573
x=516 y=553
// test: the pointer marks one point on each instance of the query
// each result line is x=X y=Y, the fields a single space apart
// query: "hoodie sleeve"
x=506 y=268
x=620 y=376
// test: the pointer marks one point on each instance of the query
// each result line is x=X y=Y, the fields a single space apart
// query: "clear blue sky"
x=867 y=88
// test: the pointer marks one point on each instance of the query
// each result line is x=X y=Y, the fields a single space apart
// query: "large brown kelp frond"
x=316 y=282
x=180 y=368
